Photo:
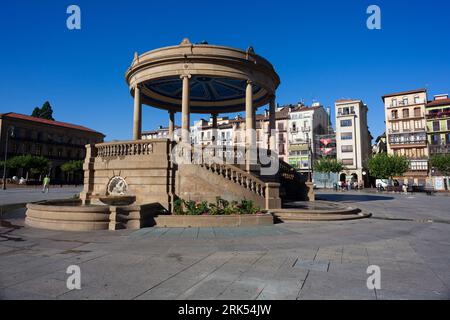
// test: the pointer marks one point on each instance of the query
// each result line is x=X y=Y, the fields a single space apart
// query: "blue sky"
x=322 y=51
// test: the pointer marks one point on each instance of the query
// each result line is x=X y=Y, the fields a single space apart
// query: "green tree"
x=72 y=167
x=45 y=112
x=328 y=165
x=30 y=164
x=442 y=163
x=386 y=166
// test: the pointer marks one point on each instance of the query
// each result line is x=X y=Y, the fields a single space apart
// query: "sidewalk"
x=32 y=194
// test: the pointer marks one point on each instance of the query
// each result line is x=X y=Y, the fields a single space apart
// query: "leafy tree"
x=328 y=165
x=45 y=112
x=72 y=167
x=442 y=163
x=30 y=164
x=386 y=166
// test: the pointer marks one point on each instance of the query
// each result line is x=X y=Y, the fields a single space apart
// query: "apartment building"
x=353 y=140
x=305 y=125
x=406 y=131
x=57 y=141
x=438 y=124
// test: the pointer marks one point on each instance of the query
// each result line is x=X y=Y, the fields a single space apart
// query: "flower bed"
x=222 y=213
x=220 y=208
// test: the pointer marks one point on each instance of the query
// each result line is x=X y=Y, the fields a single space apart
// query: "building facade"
x=353 y=140
x=406 y=132
x=438 y=124
x=306 y=124
x=57 y=141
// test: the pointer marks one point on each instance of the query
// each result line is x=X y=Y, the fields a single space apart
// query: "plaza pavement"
x=34 y=193
x=408 y=237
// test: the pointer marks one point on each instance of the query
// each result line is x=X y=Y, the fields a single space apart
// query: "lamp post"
x=9 y=131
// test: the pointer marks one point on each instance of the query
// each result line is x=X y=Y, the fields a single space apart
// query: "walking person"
x=46 y=185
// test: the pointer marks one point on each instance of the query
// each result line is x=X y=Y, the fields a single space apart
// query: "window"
x=394 y=102
x=346 y=136
x=406 y=126
x=294 y=127
x=394 y=114
x=405 y=113
x=417 y=112
x=435 y=139
x=38 y=150
x=416 y=100
x=405 y=101
x=346 y=123
x=347 y=162
x=395 y=127
x=347 y=148
x=418 y=124
x=281 y=126
x=436 y=126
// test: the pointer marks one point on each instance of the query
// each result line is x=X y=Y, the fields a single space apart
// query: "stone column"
x=272 y=123
x=214 y=127
x=171 y=125
x=249 y=126
x=185 y=110
x=137 y=122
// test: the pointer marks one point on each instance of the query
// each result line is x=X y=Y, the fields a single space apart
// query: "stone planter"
x=205 y=221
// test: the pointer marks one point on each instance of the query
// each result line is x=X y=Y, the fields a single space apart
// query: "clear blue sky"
x=322 y=50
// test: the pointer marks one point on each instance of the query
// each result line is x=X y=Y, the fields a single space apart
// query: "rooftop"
x=441 y=102
x=402 y=93
x=47 y=122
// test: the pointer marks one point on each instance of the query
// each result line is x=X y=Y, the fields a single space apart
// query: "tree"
x=72 y=167
x=386 y=166
x=442 y=163
x=328 y=165
x=30 y=164
x=45 y=112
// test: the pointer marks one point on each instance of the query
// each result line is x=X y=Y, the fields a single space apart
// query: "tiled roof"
x=402 y=93
x=45 y=121
x=441 y=102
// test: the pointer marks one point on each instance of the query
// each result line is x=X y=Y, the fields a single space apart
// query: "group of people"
x=351 y=185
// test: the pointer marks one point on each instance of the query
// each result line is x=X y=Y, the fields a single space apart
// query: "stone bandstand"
x=192 y=78
x=187 y=78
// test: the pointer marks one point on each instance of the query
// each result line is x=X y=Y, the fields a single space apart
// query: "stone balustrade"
x=125 y=148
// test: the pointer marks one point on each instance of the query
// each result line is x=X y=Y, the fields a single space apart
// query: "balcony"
x=440 y=148
x=407 y=117
x=411 y=130
x=406 y=104
x=438 y=115
x=346 y=113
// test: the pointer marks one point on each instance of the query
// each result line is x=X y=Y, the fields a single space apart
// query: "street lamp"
x=9 y=131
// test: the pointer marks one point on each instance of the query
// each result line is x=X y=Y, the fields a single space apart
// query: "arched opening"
x=343 y=177
x=354 y=177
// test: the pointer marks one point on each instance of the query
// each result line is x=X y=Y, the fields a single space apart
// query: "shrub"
x=220 y=207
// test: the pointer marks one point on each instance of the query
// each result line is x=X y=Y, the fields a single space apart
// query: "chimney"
x=441 y=96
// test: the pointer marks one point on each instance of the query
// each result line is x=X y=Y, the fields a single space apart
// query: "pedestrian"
x=46 y=184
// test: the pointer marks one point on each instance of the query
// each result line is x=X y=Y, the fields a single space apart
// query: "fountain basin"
x=118 y=200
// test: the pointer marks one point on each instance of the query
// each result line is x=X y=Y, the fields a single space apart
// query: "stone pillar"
x=171 y=125
x=137 y=122
x=185 y=110
x=272 y=196
x=272 y=123
x=249 y=127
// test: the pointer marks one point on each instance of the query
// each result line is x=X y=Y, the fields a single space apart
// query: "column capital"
x=182 y=76
x=138 y=86
x=249 y=81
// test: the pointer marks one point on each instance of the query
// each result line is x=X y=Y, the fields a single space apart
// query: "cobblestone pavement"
x=408 y=238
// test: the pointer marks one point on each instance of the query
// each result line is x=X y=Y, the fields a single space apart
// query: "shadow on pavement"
x=352 y=197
